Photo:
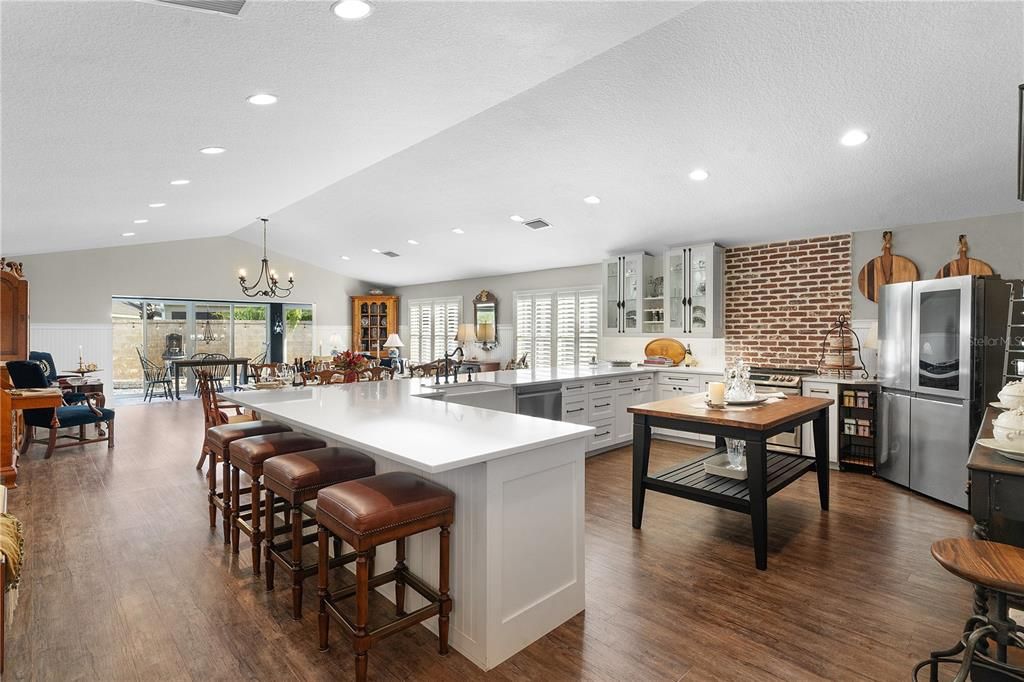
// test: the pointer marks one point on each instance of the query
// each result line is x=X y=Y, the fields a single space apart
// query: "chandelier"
x=267 y=283
x=208 y=335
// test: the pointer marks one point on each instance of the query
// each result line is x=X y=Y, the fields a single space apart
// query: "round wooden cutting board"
x=885 y=269
x=964 y=265
x=666 y=348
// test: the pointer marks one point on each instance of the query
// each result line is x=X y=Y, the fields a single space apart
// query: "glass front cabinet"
x=694 y=291
x=626 y=284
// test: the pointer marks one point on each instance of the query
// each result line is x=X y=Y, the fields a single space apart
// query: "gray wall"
x=502 y=286
x=998 y=240
x=75 y=287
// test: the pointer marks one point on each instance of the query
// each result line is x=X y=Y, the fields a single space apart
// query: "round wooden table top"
x=989 y=564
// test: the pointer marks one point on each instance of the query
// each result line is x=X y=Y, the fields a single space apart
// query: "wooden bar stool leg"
x=360 y=641
x=323 y=565
x=445 y=606
x=269 y=522
x=235 y=504
x=257 y=533
x=211 y=479
x=230 y=502
x=400 y=577
x=295 y=516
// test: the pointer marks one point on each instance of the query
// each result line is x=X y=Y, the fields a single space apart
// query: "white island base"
x=517 y=554
x=517 y=543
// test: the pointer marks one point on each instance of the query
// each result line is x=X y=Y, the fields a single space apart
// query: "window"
x=559 y=328
x=432 y=327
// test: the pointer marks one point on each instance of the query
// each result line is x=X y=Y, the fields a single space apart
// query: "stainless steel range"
x=786 y=381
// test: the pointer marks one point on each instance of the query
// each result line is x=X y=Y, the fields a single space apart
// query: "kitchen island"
x=517 y=553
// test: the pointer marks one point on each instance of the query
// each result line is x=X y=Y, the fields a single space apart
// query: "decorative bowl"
x=1009 y=425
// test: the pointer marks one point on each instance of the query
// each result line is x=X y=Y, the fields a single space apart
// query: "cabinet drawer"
x=821 y=390
x=602 y=407
x=575 y=411
x=679 y=380
x=603 y=436
x=623 y=382
x=601 y=385
x=645 y=380
x=574 y=388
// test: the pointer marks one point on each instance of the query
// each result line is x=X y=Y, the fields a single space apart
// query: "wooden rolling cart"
x=374 y=318
x=858 y=427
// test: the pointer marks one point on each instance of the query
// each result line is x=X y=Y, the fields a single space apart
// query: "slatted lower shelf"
x=689 y=480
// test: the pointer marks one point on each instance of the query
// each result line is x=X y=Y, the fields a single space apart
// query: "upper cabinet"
x=695 y=291
x=626 y=284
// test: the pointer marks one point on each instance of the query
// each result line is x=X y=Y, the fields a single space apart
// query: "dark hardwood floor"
x=125 y=581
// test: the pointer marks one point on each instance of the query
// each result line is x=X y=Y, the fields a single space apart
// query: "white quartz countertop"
x=527 y=377
x=822 y=379
x=393 y=420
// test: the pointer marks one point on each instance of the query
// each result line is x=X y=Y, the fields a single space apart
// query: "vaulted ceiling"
x=429 y=117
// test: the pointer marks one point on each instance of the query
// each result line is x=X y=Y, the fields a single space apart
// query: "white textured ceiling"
x=375 y=145
x=104 y=103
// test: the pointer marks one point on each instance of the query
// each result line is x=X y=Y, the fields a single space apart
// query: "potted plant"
x=351 y=364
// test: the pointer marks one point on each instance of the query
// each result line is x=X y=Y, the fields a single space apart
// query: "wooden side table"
x=8 y=405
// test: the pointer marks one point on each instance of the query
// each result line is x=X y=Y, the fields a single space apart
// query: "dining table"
x=767 y=471
x=234 y=363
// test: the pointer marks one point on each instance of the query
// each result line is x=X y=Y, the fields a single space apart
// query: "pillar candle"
x=716 y=392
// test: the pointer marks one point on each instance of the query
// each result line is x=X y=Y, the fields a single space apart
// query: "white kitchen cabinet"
x=694 y=291
x=822 y=389
x=575 y=411
x=625 y=286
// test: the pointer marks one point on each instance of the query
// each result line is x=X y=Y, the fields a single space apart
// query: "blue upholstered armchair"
x=45 y=360
x=29 y=374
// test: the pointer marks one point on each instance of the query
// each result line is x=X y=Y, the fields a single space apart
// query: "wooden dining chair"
x=377 y=374
x=323 y=376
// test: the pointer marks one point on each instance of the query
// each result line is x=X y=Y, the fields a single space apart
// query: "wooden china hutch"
x=374 y=318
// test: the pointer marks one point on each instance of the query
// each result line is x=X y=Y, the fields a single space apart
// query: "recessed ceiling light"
x=854 y=137
x=345 y=258
x=517 y=218
x=127 y=234
x=375 y=250
x=140 y=221
x=352 y=9
x=459 y=230
x=413 y=242
x=591 y=200
x=212 y=150
x=698 y=174
x=180 y=182
x=160 y=205
x=261 y=98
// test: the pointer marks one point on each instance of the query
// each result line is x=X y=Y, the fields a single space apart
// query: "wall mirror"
x=485 y=317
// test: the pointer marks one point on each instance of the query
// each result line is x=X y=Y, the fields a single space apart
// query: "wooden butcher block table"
x=767 y=472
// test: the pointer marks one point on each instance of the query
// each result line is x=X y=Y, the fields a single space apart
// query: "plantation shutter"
x=567 y=326
x=543 y=328
x=432 y=327
x=524 y=326
x=589 y=327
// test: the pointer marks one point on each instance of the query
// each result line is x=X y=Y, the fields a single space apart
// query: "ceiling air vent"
x=537 y=224
x=232 y=7
x=389 y=254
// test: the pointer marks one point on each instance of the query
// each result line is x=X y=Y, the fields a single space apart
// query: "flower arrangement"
x=351 y=364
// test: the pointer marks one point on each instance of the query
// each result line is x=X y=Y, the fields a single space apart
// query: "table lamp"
x=466 y=334
x=393 y=344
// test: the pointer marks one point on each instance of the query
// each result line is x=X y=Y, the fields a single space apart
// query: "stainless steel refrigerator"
x=941 y=346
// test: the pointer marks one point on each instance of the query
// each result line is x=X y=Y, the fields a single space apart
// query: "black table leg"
x=177 y=382
x=757 y=483
x=641 y=460
x=821 y=456
x=234 y=376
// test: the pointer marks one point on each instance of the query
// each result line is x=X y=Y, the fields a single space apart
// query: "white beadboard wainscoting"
x=62 y=341
x=502 y=353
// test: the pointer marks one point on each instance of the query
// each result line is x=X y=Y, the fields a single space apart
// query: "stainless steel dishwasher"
x=540 y=400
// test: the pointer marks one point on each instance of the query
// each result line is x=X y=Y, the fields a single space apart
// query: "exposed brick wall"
x=780 y=299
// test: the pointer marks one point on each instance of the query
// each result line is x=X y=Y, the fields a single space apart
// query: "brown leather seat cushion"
x=371 y=504
x=249 y=454
x=313 y=468
x=225 y=434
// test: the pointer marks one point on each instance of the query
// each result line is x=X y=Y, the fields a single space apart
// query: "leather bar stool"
x=297 y=478
x=369 y=512
x=248 y=455
x=996 y=568
x=218 y=439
